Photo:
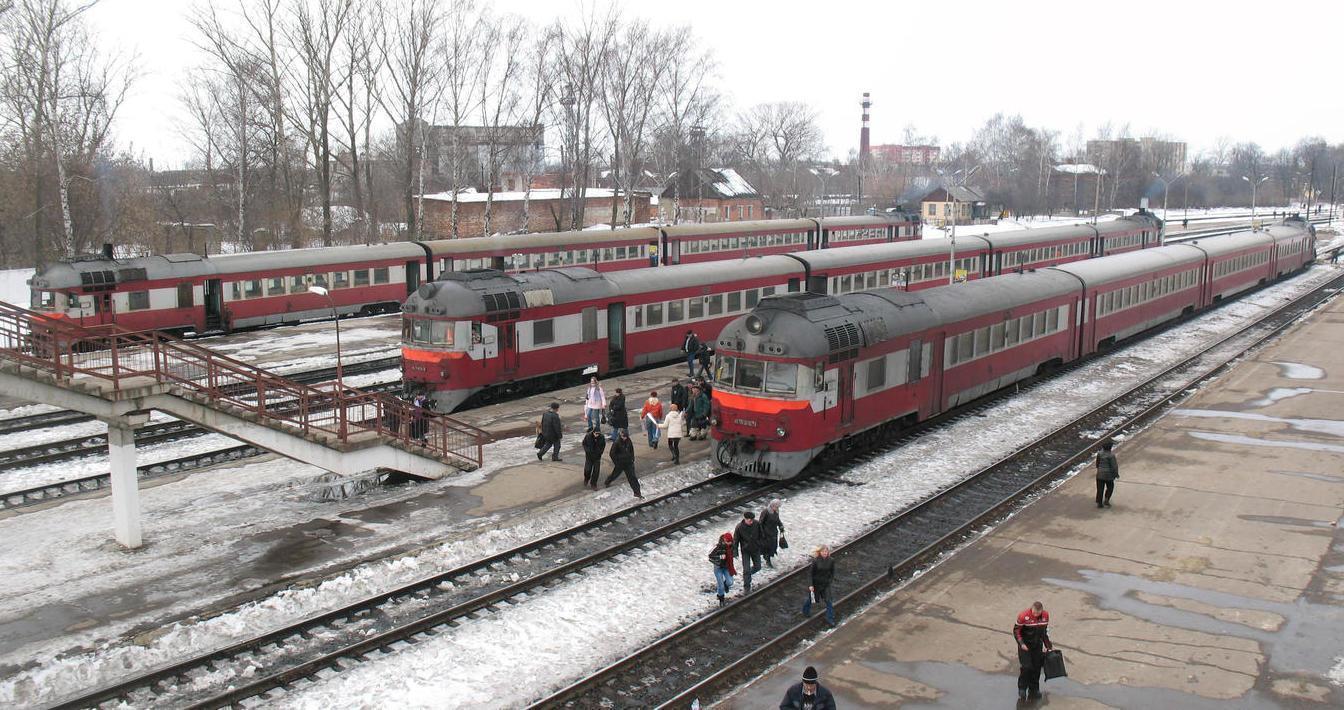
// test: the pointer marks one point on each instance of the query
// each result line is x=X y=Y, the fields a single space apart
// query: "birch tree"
x=407 y=46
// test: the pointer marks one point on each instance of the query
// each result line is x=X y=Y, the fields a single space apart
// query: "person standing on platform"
x=691 y=346
x=420 y=418
x=808 y=695
x=681 y=395
x=593 y=446
x=551 y=431
x=823 y=571
x=705 y=355
x=747 y=542
x=649 y=415
x=623 y=462
x=617 y=416
x=1108 y=469
x=772 y=529
x=722 y=559
x=594 y=404
x=675 y=424
x=699 y=414
x=1033 y=640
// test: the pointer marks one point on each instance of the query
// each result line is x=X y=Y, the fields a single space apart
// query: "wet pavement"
x=1216 y=580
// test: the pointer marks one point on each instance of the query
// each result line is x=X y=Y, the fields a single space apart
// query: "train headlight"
x=780 y=431
x=755 y=325
x=714 y=421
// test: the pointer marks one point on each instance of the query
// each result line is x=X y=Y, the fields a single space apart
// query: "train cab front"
x=769 y=412
x=447 y=352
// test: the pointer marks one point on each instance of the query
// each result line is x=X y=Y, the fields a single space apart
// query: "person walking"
x=675 y=424
x=809 y=694
x=594 y=404
x=1108 y=469
x=721 y=556
x=772 y=529
x=680 y=395
x=823 y=571
x=420 y=418
x=747 y=542
x=623 y=462
x=691 y=346
x=705 y=355
x=1033 y=641
x=593 y=446
x=699 y=415
x=551 y=430
x=617 y=416
x=651 y=412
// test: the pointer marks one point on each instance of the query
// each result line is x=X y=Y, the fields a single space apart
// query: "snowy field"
x=549 y=640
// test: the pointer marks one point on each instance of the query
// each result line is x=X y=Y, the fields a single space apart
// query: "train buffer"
x=120 y=375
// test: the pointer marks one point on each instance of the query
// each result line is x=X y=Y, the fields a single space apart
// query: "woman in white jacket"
x=675 y=424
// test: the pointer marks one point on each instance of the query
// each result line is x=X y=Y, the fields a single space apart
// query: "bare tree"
x=687 y=101
x=539 y=78
x=461 y=42
x=412 y=72
x=357 y=97
x=503 y=39
x=775 y=138
x=631 y=76
x=582 y=49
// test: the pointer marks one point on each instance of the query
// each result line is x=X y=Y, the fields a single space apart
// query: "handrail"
x=118 y=356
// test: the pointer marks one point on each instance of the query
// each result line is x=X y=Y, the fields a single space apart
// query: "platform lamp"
x=1254 y=184
x=1166 y=184
x=323 y=292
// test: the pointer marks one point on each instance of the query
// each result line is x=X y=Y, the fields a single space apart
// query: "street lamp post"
x=952 y=226
x=323 y=292
x=1254 y=184
x=1166 y=184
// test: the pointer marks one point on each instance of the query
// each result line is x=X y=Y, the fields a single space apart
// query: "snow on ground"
x=61 y=433
x=562 y=634
x=57 y=471
x=14 y=286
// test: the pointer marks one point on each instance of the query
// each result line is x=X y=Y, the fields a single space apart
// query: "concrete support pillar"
x=125 y=485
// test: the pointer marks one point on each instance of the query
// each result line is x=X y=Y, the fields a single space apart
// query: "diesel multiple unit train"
x=480 y=333
x=801 y=373
x=189 y=292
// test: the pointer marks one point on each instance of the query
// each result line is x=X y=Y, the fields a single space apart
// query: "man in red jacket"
x=1033 y=639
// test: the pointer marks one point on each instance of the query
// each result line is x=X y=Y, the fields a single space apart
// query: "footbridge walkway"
x=120 y=375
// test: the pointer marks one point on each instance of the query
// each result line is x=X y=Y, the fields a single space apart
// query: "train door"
x=508 y=347
x=846 y=394
x=616 y=336
x=673 y=250
x=214 y=304
x=412 y=276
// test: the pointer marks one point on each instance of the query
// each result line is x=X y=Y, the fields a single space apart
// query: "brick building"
x=548 y=211
x=906 y=154
x=710 y=195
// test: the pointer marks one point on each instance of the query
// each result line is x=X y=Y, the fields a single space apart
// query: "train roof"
x=725 y=228
x=797 y=325
x=316 y=256
x=1289 y=228
x=707 y=273
x=1217 y=246
x=466 y=294
x=996 y=294
x=851 y=256
x=866 y=220
x=1108 y=269
x=71 y=273
x=560 y=241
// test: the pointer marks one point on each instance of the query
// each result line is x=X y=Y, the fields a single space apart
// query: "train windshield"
x=744 y=375
x=48 y=301
x=427 y=332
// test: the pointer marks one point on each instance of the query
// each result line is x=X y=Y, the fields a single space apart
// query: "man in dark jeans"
x=1033 y=640
x=1108 y=469
x=593 y=446
x=748 y=539
x=691 y=346
x=551 y=431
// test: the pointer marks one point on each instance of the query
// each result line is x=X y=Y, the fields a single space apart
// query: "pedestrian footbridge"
x=119 y=376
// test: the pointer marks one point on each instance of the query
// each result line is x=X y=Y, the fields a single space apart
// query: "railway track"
x=702 y=660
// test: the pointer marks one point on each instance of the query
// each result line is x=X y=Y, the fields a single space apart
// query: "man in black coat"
x=593 y=446
x=617 y=415
x=551 y=431
x=681 y=395
x=748 y=539
x=808 y=695
x=691 y=346
x=623 y=462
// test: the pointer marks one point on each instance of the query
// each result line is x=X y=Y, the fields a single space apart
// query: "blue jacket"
x=793 y=700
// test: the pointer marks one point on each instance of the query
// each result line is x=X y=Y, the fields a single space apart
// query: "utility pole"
x=1331 y=218
x=1254 y=184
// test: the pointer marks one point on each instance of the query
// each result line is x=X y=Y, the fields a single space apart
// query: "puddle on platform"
x=1285 y=520
x=1299 y=371
x=1271 y=443
x=301 y=545
x=1307 y=642
x=1330 y=427
x=1309 y=476
x=1278 y=394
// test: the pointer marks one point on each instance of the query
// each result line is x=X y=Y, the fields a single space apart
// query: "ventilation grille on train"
x=97 y=280
x=843 y=341
x=501 y=306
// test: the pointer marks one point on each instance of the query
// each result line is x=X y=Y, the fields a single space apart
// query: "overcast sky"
x=1162 y=67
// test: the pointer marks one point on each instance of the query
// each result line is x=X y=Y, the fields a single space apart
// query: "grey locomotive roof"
x=996 y=294
x=461 y=294
x=1217 y=246
x=635 y=281
x=318 y=256
x=760 y=225
x=850 y=256
x=560 y=241
x=796 y=326
x=1287 y=229
x=1122 y=266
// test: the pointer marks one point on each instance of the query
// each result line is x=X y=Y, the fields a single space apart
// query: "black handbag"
x=783 y=543
x=541 y=441
x=1054 y=665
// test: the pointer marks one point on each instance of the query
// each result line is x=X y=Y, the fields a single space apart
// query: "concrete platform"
x=1215 y=581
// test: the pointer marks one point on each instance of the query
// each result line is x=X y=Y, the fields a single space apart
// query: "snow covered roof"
x=538 y=194
x=716 y=183
x=1079 y=169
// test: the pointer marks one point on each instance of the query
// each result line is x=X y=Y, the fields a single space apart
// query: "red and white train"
x=189 y=292
x=482 y=333
x=805 y=372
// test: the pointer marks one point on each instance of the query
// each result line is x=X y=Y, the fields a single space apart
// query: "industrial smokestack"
x=863 y=134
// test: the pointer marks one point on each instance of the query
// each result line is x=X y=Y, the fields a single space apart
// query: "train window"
x=620 y=252
x=297 y=284
x=782 y=378
x=965 y=346
x=981 y=341
x=1010 y=332
x=1040 y=324
x=639 y=316
x=252 y=289
x=1052 y=320
x=724 y=366
x=753 y=296
x=996 y=337
x=555 y=258
x=697 y=308
x=235 y=290
x=340 y=279
x=872 y=279
x=582 y=256
x=734 y=301
x=653 y=314
x=767 y=291
x=543 y=332
x=750 y=375
x=380 y=275
x=137 y=300
x=361 y=277
x=186 y=296
x=675 y=311
x=714 y=304
x=275 y=286
x=877 y=374
x=884 y=278
x=320 y=280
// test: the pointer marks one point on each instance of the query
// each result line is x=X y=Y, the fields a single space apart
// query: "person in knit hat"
x=722 y=559
x=809 y=694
